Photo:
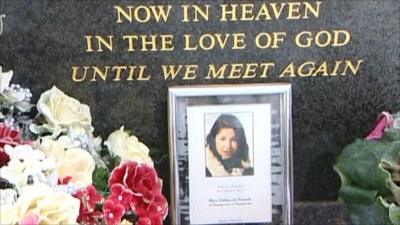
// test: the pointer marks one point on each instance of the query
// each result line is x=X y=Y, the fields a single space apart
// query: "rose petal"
x=127 y=147
x=113 y=212
x=144 y=221
x=31 y=219
x=4 y=158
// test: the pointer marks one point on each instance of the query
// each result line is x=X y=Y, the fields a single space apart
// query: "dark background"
x=43 y=39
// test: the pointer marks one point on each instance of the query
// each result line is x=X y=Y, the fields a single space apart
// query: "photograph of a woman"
x=229 y=163
x=227 y=150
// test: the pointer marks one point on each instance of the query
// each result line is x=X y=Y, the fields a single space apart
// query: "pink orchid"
x=385 y=120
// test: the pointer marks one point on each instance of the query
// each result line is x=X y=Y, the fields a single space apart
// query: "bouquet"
x=370 y=173
x=53 y=170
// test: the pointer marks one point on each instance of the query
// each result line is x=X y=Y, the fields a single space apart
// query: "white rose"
x=52 y=207
x=62 y=111
x=52 y=149
x=8 y=214
x=74 y=162
x=78 y=164
x=128 y=147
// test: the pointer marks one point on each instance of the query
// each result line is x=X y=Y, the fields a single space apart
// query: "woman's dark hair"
x=229 y=121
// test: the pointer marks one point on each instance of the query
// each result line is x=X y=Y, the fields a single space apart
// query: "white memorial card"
x=229 y=149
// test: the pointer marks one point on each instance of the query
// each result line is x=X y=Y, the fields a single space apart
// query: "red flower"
x=4 y=158
x=147 y=199
x=121 y=195
x=144 y=221
x=66 y=180
x=87 y=211
x=93 y=218
x=89 y=197
x=8 y=136
x=139 y=178
x=113 y=212
x=155 y=210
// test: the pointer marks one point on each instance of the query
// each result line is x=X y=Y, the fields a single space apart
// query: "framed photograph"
x=231 y=154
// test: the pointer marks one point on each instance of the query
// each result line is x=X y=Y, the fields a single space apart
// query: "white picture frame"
x=253 y=188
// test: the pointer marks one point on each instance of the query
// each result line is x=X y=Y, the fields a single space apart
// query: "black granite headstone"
x=341 y=57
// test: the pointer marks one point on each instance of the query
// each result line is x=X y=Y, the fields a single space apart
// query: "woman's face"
x=226 y=142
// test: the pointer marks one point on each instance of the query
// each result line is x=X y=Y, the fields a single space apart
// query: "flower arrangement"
x=370 y=173
x=53 y=170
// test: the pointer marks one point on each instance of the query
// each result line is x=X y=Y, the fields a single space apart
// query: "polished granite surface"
x=321 y=213
x=43 y=40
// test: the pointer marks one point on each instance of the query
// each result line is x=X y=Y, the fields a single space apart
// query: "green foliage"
x=370 y=174
x=100 y=179
x=101 y=174
x=394 y=214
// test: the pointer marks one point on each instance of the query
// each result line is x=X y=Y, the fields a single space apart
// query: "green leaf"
x=364 y=208
x=395 y=190
x=346 y=181
x=370 y=171
x=390 y=162
x=394 y=214
x=391 y=156
x=356 y=195
x=113 y=162
x=393 y=211
x=100 y=179
x=359 y=163
x=390 y=135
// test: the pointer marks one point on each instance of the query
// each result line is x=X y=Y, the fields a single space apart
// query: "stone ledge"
x=321 y=213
